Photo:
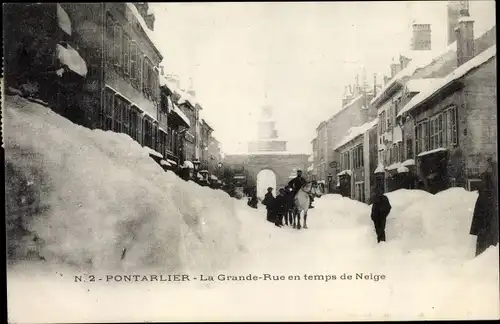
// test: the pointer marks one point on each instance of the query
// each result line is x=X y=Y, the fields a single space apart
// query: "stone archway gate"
x=283 y=165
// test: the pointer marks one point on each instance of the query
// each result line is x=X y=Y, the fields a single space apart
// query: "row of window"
x=120 y=116
x=127 y=58
x=357 y=158
x=437 y=131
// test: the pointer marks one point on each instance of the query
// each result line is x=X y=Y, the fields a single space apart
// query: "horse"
x=302 y=200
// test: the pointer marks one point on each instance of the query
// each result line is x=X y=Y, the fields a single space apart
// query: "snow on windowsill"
x=72 y=59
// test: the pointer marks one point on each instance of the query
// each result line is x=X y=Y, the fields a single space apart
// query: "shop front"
x=433 y=170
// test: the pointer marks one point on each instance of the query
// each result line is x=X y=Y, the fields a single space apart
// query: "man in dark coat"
x=297 y=183
x=280 y=207
x=485 y=218
x=269 y=203
x=380 y=210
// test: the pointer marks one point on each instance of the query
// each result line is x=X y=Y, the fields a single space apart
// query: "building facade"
x=455 y=122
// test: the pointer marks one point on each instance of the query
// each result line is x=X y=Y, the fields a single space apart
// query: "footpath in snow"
x=79 y=198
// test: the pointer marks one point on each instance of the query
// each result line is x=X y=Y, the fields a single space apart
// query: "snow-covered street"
x=91 y=195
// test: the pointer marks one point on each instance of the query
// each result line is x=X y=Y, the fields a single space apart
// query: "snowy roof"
x=420 y=85
x=439 y=149
x=181 y=114
x=310 y=158
x=379 y=169
x=149 y=32
x=356 y=131
x=459 y=72
x=184 y=96
x=419 y=59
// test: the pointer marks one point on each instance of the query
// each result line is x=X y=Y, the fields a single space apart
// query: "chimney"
x=395 y=68
x=421 y=40
x=465 y=38
x=162 y=70
x=453 y=14
x=403 y=60
x=386 y=79
x=374 y=84
x=150 y=21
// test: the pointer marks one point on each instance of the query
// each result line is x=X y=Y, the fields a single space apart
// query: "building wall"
x=478 y=128
x=115 y=77
x=337 y=127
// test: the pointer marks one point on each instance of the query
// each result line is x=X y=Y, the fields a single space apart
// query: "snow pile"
x=96 y=200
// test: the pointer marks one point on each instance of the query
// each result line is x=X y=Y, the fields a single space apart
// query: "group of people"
x=280 y=208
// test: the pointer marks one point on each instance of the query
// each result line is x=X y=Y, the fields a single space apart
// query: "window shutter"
x=126 y=54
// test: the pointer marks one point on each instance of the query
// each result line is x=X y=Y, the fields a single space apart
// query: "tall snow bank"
x=94 y=199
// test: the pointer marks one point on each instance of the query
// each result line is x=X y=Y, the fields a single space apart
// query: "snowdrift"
x=93 y=199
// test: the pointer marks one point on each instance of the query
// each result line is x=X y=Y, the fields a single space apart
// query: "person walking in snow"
x=485 y=217
x=381 y=208
x=280 y=207
x=269 y=203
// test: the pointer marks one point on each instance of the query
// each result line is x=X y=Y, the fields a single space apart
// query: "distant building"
x=355 y=111
x=357 y=161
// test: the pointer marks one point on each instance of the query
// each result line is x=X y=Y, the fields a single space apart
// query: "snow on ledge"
x=310 y=168
x=163 y=162
x=393 y=166
x=348 y=172
x=72 y=59
x=188 y=164
x=466 y=19
x=439 y=149
x=459 y=72
x=171 y=162
x=408 y=162
x=380 y=169
x=152 y=152
x=403 y=169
